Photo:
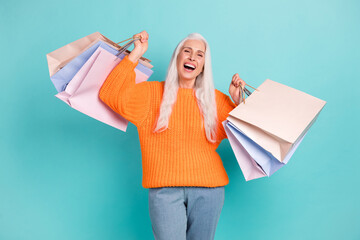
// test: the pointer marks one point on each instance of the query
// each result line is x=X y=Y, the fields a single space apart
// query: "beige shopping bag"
x=276 y=117
x=60 y=57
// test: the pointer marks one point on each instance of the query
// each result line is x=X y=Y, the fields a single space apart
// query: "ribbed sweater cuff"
x=128 y=64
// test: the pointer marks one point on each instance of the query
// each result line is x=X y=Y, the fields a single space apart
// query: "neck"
x=186 y=83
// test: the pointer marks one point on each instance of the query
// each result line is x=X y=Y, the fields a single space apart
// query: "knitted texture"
x=180 y=155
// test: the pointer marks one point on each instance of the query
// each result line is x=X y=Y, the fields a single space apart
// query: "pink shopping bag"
x=82 y=91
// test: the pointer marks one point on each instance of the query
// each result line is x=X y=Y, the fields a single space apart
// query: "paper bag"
x=60 y=57
x=249 y=167
x=276 y=117
x=82 y=91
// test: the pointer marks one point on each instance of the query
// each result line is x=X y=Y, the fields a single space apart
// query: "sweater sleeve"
x=226 y=105
x=123 y=95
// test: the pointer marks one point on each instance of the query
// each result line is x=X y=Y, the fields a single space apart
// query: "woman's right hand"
x=140 y=46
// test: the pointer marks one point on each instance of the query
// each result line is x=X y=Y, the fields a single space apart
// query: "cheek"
x=201 y=68
x=178 y=61
x=180 y=56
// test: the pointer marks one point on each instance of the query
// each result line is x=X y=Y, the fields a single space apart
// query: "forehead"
x=195 y=44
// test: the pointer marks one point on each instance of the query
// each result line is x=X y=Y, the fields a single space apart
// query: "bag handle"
x=127 y=45
x=126 y=40
x=244 y=91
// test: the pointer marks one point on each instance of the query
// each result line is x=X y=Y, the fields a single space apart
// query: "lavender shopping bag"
x=64 y=75
x=249 y=167
x=254 y=154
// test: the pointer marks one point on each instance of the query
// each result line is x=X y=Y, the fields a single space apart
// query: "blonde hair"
x=204 y=92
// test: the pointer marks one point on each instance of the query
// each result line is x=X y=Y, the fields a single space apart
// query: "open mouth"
x=189 y=67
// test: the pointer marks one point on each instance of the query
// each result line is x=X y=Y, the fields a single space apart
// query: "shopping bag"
x=66 y=61
x=82 y=91
x=60 y=57
x=272 y=123
x=247 y=151
x=61 y=78
x=250 y=169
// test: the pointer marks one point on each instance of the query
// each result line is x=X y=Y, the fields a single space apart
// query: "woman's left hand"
x=234 y=88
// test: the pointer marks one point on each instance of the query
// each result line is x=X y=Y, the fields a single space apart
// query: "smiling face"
x=190 y=60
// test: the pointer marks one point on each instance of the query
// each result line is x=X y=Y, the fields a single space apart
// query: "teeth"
x=190 y=66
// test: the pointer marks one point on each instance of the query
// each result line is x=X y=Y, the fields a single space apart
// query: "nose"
x=192 y=56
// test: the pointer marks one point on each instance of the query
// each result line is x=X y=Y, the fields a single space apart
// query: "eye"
x=186 y=50
x=200 y=55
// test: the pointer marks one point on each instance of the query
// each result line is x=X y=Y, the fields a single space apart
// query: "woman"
x=180 y=126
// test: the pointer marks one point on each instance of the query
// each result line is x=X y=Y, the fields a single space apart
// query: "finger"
x=234 y=82
x=242 y=82
x=235 y=78
x=137 y=37
x=144 y=35
x=142 y=38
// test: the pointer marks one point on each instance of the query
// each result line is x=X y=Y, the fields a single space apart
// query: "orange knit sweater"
x=180 y=155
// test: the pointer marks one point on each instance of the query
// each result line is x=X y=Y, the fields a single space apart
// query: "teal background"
x=64 y=175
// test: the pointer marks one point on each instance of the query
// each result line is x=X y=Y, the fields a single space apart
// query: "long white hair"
x=204 y=92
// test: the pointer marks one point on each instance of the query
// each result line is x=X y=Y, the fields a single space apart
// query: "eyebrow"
x=191 y=49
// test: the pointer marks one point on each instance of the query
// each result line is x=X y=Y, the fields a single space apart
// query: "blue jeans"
x=185 y=213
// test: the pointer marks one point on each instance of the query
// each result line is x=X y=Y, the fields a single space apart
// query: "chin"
x=187 y=76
